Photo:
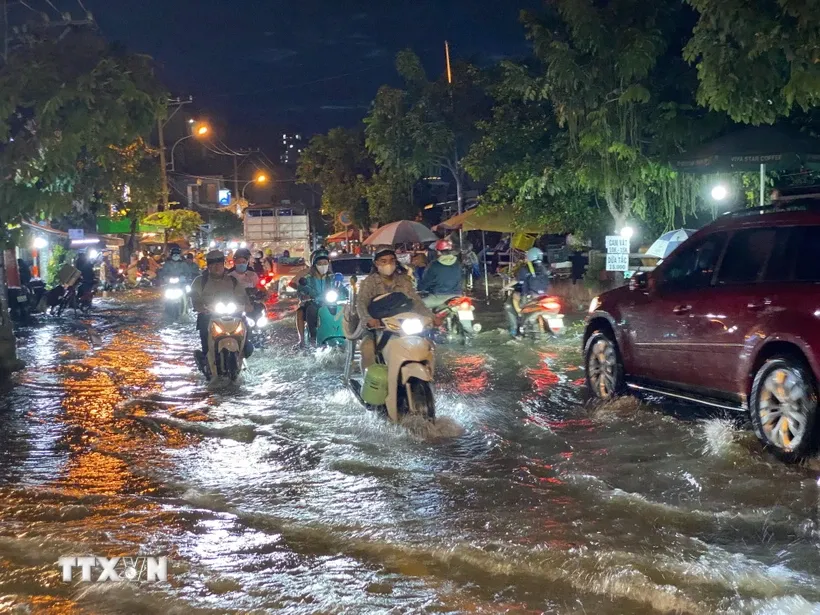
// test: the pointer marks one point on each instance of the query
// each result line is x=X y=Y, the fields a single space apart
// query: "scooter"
x=257 y=319
x=176 y=298
x=329 y=328
x=539 y=316
x=400 y=382
x=459 y=318
x=227 y=334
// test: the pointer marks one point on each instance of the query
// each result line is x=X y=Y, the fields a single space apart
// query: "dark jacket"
x=442 y=277
x=537 y=283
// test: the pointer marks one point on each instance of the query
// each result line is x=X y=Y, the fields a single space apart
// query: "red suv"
x=731 y=319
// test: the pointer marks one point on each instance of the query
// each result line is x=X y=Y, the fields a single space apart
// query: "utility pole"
x=456 y=170
x=163 y=167
x=235 y=178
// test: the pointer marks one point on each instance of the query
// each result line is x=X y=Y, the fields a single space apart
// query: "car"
x=731 y=319
x=350 y=264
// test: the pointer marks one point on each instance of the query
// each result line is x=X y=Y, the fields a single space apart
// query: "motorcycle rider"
x=88 y=279
x=442 y=278
x=384 y=279
x=212 y=286
x=311 y=289
x=534 y=278
x=174 y=267
x=246 y=276
x=193 y=267
x=257 y=264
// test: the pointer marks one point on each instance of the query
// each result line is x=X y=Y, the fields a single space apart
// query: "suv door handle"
x=681 y=309
x=759 y=305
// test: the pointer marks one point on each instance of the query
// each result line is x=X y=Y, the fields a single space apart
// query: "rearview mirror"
x=639 y=281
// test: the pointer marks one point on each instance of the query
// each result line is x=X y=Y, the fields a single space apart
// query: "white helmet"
x=535 y=255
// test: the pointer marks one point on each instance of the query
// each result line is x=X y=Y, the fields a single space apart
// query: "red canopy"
x=346 y=235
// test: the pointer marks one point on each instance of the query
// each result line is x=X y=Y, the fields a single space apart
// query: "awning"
x=347 y=235
x=499 y=221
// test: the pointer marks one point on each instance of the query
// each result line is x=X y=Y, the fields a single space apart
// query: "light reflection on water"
x=282 y=494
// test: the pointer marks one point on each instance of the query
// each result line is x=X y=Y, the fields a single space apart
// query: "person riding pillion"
x=212 y=287
x=175 y=267
x=534 y=278
x=442 y=279
x=384 y=279
x=311 y=290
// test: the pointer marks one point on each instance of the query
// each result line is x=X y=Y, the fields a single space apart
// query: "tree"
x=176 y=222
x=341 y=166
x=225 y=224
x=607 y=72
x=756 y=60
x=69 y=105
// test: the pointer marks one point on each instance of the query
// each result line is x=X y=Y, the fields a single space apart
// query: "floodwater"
x=282 y=495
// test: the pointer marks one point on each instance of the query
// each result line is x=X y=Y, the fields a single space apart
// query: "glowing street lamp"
x=259 y=179
x=40 y=243
x=200 y=131
x=627 y=232
x=720 y=192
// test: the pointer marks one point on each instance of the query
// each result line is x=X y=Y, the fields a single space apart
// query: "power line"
x=56 y=10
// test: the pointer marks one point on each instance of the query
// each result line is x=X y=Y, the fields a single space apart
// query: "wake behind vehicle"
x=729 y=320
x=176 y=298
x=227 y=334
x=400 y=382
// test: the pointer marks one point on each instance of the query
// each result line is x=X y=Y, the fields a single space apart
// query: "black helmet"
x=319 y=255
x=215 y=256
x=242 y=253
x=175 y=250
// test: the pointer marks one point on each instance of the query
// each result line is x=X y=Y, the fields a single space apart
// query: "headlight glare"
x=412 y=326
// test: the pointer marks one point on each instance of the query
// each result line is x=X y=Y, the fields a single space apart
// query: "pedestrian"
x=579 y=264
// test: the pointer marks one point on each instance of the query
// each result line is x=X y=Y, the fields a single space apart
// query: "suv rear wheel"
x=603 y=365
x=783 y=407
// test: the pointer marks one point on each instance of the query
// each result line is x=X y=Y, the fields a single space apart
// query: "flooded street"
x=283 y=495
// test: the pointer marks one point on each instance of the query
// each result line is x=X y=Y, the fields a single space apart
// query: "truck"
x=278 y=228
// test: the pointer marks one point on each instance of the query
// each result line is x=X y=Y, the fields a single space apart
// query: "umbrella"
x=666 y=243
x=403 y=231
x=750 y=149
x=343 y=236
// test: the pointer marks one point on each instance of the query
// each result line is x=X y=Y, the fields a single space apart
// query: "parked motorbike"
x=20 y=304
x=227 y=334
x=176 y=298
x=540 y=315
x=400 y=383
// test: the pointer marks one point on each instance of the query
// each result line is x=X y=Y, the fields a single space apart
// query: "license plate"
x=465 y=315
x=21 y=298
x=555 y=323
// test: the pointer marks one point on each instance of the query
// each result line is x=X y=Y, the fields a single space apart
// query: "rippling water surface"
x=280 y=494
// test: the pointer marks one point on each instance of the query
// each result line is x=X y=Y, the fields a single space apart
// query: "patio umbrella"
x=666 y=243
x=750 y=149
x=403 y=231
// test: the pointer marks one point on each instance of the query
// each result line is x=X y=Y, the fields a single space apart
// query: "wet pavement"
x=282 y=495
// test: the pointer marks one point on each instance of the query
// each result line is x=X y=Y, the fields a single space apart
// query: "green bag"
x=374 y=389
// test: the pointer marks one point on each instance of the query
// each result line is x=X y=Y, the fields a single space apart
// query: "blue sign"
x=224 y=197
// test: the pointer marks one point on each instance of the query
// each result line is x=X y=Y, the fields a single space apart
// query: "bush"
x=59 y=257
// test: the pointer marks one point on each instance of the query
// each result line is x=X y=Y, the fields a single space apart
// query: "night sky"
x=259 y=67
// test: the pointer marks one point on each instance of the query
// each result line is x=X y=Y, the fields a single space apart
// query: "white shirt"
x=249 y=279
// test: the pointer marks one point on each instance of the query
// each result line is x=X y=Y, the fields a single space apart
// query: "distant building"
x=292 y=146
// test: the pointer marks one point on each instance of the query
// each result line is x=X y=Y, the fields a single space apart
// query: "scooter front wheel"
x=420 y=400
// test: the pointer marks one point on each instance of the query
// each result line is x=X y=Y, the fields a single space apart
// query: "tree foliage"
x=756 y=60
x=225 y=224
x=339 y=163
x=177 y=222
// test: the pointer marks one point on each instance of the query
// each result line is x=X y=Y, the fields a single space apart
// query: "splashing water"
x=719 y=437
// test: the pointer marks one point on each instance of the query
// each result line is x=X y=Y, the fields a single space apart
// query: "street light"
x=627 y=232
x=40 y=243
x=720 y=192
x=259 y=179
x=200 y=130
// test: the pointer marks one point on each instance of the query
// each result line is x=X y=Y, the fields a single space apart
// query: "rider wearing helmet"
x=442 y=278
x=534 y=281
x=175 y=267
x=213 y=286
x=246 y=276
x=311 y=289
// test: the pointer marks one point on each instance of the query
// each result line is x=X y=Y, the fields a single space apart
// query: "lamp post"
x=259 y=179
x=198 y=131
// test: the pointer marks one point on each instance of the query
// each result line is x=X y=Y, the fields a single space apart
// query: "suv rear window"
x=746 y=255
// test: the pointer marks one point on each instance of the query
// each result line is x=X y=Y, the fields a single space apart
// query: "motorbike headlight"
x=230 y=308
x=251 y=321
x=412 y=326
x=331 y=296
x=594 y=304
x=173 y=293
x=262 y=322
x=220 y=308
x=173 y=280
x=187 y=289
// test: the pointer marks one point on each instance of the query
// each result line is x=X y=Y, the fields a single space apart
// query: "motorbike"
x=77 y=297
x=227 y=334
x=329 y=329
x=459 y=318
x=258 y=319
x=400 y=382
x=540 y=315
x=176 y=298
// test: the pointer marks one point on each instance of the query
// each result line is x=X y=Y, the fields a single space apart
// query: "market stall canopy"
x=403 y=231
x=499 y=221
x=349 y=234
x=747 y=149
x=666 y=243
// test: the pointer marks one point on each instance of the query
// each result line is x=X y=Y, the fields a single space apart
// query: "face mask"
x=242 y=268
x=386 y=270
x=176 y=257
x=322 y=269
x=404 y=259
